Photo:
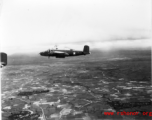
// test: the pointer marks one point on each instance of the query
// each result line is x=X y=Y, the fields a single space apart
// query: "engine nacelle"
x=60 y=56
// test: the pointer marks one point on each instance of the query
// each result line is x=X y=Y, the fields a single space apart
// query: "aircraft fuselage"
x=58 y=53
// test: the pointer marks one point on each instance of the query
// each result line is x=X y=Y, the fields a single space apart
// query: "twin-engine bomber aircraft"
x=65 y=53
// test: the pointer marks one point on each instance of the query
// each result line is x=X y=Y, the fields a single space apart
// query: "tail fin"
x=86 y=50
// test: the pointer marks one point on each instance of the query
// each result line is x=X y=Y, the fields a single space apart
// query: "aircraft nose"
x=40 y=53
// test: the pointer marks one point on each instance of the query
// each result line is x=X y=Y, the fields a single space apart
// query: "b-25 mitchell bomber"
x=65 y=53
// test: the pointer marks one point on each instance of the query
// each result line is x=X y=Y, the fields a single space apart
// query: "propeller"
x=56 y=47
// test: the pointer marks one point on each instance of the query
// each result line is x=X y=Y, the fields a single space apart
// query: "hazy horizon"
x=95 y=50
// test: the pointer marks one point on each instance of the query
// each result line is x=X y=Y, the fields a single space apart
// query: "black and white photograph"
x=75 y=59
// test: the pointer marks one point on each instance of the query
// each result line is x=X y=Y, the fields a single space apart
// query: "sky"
x=32 y=26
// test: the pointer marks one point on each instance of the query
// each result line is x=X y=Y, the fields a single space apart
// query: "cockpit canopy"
x=48 y=51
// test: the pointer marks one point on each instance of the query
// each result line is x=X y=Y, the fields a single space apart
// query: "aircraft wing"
x=60 y=53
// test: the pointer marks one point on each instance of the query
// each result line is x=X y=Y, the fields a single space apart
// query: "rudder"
x=86 y=50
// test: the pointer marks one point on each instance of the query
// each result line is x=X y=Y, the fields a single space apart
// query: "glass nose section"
x=41 y=53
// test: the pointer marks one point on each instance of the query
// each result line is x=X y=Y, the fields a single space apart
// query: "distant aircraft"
x=3 y=59
x=65 y=53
